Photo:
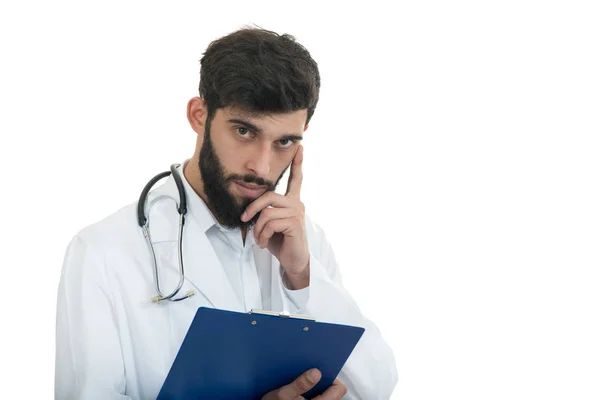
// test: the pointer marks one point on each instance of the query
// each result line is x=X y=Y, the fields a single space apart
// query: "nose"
x=260 y=161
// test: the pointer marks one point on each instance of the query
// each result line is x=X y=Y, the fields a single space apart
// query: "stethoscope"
x=143 y=223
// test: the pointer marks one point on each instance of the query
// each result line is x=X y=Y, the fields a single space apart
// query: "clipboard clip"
x=283 y=314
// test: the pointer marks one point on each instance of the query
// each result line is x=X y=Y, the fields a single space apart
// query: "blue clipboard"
x=233 y=355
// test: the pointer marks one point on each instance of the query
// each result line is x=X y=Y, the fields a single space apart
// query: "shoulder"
x=87 y=252
x=115 y=229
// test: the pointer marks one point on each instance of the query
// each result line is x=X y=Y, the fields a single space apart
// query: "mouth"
x=252 y=191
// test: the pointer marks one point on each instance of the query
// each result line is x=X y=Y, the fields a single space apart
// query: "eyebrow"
x=256 y=129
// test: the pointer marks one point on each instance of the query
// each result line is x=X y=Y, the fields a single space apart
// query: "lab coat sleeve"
x=88 y=361
x=297 y=297
x=370 y=371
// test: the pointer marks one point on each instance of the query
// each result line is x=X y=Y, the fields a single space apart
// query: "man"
x=244 y=245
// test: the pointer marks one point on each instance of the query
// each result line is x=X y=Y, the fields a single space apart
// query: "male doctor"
x=244 y=245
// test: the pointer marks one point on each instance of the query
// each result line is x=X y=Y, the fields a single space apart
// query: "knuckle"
x=303 y=384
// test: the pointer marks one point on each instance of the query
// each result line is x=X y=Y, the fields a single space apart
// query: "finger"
x=334 y=392
x=295 y=180
x=269 y=214
x=302 y=384
x=284 y=226
x=268 y=199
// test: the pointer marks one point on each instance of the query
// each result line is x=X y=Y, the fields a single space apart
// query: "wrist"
x=300 y=280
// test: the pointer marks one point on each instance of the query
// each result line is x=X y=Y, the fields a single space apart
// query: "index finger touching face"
x=295 y=180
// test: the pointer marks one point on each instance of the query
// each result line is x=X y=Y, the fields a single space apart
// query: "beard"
x=227 y=207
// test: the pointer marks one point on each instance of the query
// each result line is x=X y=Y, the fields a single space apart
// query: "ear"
x=196 y=114
x=305 y=128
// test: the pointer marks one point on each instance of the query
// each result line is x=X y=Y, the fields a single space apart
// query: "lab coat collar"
x=202 y=267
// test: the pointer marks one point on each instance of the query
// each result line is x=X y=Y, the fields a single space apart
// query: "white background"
x=453 y=161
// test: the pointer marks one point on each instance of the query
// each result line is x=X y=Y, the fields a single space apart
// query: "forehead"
x=267 y=121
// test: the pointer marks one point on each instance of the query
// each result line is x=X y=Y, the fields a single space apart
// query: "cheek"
x=230 y=162
x=229 y=156
x=280 y=167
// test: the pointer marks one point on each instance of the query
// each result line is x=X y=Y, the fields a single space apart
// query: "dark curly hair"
x=259 y=71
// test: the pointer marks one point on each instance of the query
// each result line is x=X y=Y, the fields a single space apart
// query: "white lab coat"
x=112 y=342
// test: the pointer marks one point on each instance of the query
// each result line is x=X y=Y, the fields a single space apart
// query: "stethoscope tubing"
x=143 y=222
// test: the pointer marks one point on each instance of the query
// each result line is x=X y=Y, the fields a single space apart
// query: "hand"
x=303 y=384
x=281 y=228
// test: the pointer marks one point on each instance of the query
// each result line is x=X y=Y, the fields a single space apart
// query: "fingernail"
x=314 y=375
x=244 y=215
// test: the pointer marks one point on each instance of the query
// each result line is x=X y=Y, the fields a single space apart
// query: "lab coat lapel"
x=204 y=270
x=202 y=267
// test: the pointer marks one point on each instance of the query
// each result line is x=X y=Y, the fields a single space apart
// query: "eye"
x=242 y=131
x=286 y=143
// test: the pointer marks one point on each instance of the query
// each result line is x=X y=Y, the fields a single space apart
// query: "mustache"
x=251 y=179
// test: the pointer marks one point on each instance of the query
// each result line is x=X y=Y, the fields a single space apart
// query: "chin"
x=241 y=201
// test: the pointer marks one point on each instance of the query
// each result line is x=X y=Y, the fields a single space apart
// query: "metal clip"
x=283 y=314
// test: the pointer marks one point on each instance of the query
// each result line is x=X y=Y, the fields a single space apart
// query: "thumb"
x=302 y=384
